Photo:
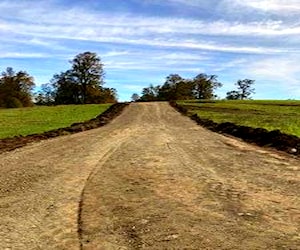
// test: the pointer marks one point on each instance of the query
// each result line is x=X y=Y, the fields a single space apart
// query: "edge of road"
x=9 y=144
x=261 y=137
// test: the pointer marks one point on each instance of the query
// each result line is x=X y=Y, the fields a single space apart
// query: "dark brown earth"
x=261 y=137
x=9 y=144
x=150 y=179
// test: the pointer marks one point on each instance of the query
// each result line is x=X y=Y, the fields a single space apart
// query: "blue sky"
x=141 y=42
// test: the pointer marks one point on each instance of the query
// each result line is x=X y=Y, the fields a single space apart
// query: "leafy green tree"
x=87 y=70
x=176 y=88
x=168 y=90
x=66 y=89
x=204 y=86
x=108 y=95
x=150 y=93
x=185 y=90
x=103 y=95
x=244 y=90
x=16 y=89
x=45 y=96
x=135 y=97
x=83 y=83
x=233 y=95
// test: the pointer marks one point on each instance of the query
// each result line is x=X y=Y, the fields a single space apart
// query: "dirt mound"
x=9 y=144
x=259 y=136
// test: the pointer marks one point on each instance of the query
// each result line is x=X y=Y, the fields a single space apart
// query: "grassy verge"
x=26 y=121
x=271 y=115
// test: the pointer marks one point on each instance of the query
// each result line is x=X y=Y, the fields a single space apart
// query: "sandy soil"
x=151 y=179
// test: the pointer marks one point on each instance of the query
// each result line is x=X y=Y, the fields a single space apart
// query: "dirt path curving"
x=151 y=179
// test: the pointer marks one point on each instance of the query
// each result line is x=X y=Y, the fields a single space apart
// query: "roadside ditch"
x=262 y=137
x=8 y=144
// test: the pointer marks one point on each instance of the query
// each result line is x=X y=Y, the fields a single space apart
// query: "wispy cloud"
x=193 y=3
x=228 y=37
x=22 y=55
x=132 y=36
x=67 y=22
x=115 y=53
x=271 y=73
x=287 y=69
x=103 y=27
x=283 y=7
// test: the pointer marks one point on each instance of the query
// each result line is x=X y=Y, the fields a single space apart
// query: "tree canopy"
x=178 y=88
x=205 y=85
x=87 y=72
x=15 y=89
x=244 y=90
x=82 y=84
x=135 y=97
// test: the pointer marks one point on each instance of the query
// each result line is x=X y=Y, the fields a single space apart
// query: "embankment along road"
x=151 y=179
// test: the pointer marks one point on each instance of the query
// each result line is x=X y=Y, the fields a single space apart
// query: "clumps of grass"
x=270 y=115
x=26 y=121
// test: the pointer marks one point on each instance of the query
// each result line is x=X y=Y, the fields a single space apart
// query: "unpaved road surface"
x=151 y=179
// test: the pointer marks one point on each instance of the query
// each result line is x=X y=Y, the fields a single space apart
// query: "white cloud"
x=231 y=64
x=197 y=45
x=283 y=68
x=115 y=53
x=181 y=57
x=282 y=7
x=131 y=41
x=106 y=36
x=5 y=54
x=72 y=25
x=132 y=87
x=111 y=25
x=192 y=3
x=276 y=72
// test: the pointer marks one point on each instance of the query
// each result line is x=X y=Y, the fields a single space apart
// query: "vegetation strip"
x=267 y=114
x=9 y=144
x=259 y=136
x=39 y=119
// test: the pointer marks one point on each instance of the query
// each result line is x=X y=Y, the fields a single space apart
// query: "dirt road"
x=151 y=179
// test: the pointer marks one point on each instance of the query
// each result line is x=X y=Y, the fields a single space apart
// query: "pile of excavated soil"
x=9 y=144
x=259 y=136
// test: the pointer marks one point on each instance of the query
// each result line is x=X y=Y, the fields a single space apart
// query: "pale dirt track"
x=151 y=179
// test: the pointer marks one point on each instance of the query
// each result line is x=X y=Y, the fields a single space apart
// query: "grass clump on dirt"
x=26 y=121
x=270 y=115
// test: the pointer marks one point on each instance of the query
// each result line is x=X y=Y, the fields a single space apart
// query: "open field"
x=271 y=115
x=25 y=121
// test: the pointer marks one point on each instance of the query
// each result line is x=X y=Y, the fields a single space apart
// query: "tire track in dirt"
x=151 y=179
x=104 y=158
x=41 y=184
x=178 y=186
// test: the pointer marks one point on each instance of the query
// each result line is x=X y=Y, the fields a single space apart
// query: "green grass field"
x=25 y=121
x=271 y=115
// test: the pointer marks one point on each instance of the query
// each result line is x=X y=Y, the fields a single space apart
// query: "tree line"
x=202 y=86
x=81 y=84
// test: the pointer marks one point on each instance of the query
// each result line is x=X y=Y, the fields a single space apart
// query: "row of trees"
x=81 y=84
x=202 y=86
x=177 y=88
